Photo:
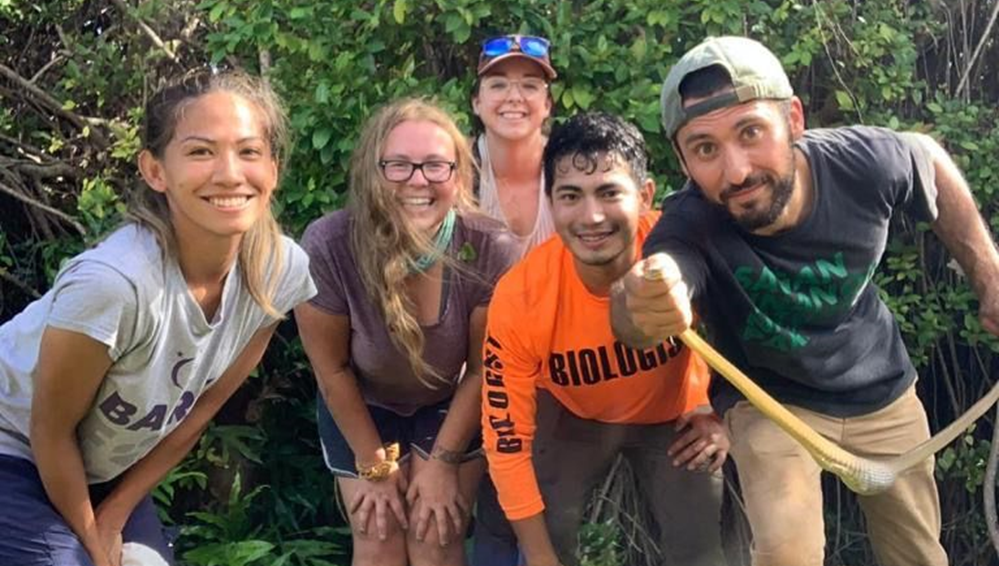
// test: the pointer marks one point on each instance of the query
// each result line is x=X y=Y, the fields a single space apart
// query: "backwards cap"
x=755 y=72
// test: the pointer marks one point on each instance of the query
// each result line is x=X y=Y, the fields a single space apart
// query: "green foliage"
x=99 y=206
x=965 y=460
x=599 y=545
x=255 y=491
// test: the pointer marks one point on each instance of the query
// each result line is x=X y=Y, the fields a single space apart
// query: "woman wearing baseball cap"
x=512 y=103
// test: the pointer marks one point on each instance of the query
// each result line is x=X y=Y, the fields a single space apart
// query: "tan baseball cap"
x=755 y=72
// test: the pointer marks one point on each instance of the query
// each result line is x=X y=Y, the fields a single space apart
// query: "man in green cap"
x=774 y=242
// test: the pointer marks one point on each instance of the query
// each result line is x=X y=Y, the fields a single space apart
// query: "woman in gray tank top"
x=512 y=104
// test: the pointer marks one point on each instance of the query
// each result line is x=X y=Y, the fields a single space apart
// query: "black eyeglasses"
x=398 y=171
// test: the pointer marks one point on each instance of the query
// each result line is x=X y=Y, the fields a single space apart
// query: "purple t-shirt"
x=382 y=370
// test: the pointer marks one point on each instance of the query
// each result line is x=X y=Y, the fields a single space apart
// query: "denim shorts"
x=414 y=433
x=35 y=534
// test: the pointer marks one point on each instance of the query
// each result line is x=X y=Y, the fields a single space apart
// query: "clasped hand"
x=656 y=297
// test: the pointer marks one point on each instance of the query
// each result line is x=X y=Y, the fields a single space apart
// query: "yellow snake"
x=865 y=476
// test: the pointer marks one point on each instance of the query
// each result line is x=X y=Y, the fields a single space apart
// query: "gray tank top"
x=489 y=202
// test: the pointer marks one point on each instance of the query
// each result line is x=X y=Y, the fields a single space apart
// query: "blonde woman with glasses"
x=405 y=274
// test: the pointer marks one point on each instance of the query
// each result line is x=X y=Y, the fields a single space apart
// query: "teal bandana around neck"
x=441 y=242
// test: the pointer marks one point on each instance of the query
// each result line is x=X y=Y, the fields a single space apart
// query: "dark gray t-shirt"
x=481 y=244
x=797 y=311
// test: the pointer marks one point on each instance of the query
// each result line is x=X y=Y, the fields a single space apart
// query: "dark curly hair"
x=586 y=137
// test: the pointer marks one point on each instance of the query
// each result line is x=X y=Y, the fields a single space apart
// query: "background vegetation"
x=74 y=75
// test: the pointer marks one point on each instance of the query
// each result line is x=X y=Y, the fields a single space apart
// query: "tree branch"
x=44 y=207
x=990 y=481
x=963 y=83
x=48 y=170
x=264 y=58
x=24 y=287
x=55 y=61
x=26 y=148
x=53 y=104
x=146 y=29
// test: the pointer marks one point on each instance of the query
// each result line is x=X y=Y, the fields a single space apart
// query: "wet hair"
x=381 y=239
x=585 y=138
x=260 y=252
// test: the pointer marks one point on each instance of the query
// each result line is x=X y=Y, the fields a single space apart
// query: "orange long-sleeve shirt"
x=546 y=330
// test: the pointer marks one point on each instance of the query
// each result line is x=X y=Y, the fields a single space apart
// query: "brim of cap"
x=545 y=65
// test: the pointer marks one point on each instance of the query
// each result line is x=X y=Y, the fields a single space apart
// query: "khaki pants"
x=783 y=495
x=573 y=455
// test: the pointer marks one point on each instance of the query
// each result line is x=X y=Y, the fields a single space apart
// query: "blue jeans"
x=494 y=542
x=35 y=534
x=414 y=433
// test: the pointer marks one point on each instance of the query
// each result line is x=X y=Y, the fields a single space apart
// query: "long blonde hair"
x=383 y=243
x=260 y=252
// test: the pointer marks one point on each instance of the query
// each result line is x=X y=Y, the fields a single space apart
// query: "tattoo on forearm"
x=446 y=456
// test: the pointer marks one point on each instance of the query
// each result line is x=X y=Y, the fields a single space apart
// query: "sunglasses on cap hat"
x=504 y=47
x=527 y=44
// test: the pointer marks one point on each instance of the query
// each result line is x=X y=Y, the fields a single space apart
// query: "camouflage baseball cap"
x=754 y=70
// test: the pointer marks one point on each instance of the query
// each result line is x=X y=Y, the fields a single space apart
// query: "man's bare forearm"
x=960 y=225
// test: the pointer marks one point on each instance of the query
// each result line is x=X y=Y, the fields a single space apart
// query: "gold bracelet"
x=382 y=470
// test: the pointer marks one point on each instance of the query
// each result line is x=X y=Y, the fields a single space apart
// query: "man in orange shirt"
x=562 y=398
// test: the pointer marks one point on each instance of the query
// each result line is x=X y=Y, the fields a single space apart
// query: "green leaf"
x=322 y=94
x=218 y=11
x=467 y=253
x=567 y=99
x=463 y=32
x=649 y=122
x=317 y=51
x=452 y=21
x=582 y=96
x=657 y=17
x=844 y=100
x=321 y=137
x=638 y=49
x=969 y=145
x=399 y=11
x=230 y=554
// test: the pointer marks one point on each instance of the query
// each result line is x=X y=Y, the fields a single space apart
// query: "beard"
x=781 y=189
